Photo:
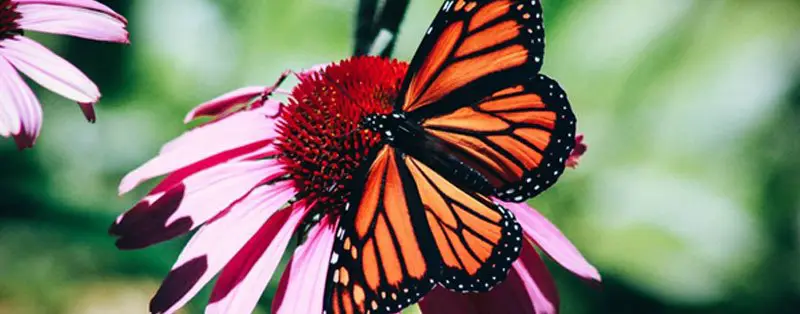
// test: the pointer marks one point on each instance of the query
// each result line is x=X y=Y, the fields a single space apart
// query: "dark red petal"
x=577 y=152
x=178 y=282
x=146 y=224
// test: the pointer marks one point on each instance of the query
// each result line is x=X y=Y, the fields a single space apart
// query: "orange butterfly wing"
x=476 y=239
x=471 y=50
x=519 y=138
x=379 y=264
x=474 y=86
x=410 y=228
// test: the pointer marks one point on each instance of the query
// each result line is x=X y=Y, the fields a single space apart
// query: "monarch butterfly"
x=474 y=120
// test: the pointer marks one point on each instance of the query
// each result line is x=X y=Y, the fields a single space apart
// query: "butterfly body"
x=474 y=120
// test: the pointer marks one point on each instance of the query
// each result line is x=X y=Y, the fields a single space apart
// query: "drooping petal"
x=529 y=288
x=215 y=244
x=237 y=131
x=49 y=70
x=225 y=102
x=73 y=21
x=244 y=279
x=302 y=286
x=192 y=202
x=552 y=241
x=88 y=111
x=20 y=111
x=85 y=4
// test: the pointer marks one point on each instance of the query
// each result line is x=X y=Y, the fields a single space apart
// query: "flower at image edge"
x=20 y=110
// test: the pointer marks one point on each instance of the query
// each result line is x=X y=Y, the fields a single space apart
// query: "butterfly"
x=474 y=120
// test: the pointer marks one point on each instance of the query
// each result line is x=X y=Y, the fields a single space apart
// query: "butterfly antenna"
x=267 y=93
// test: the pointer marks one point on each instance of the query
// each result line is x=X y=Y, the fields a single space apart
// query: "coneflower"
x=261 y=171
x=20 y=111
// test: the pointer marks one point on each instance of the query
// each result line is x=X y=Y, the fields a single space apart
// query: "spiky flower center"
x=8 y=19
x=320 y=137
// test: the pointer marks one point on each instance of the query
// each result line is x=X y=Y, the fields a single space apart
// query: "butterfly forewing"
x=379 y=262
x=471 y=50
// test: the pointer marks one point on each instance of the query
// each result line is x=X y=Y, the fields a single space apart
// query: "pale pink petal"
x=551 y=240
x=217 y=242
x=529 y=289
x=225 y=102
x=267 y=110
x=20 y=112
x=192 y=202
x=85 y=4
x=244 y=279
x=49 y=70
x=302 y=288
x=72 y=21
x=255 y=151
x=237 y=131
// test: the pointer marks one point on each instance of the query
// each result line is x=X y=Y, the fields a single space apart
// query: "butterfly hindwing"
x=476 y=239
x=518 y=138
x=470 y=50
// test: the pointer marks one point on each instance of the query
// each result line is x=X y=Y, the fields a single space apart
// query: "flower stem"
x=377 y=24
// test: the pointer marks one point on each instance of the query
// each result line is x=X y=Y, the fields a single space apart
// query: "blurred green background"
x=687 y=200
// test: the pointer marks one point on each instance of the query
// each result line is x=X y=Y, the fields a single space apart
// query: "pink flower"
x=261 y=171
x=20 y=111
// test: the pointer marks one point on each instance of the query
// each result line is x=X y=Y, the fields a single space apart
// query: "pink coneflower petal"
x=73 y=21
x=532 y=289
x=85 y=4
x=552 y=241
x=239 y=130
x=49 y=70
x=244 y=279
x=217 y=242
x=302 y=286
x=265 y=111
x=529 y=288
x=225 y=102
x=20 y=111
x=195 y=200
